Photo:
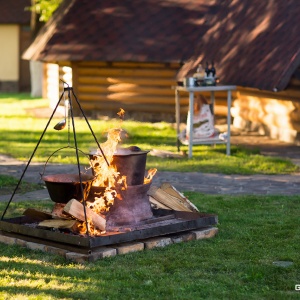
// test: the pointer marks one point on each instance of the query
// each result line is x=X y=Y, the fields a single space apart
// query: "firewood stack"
x=168 y=197
x=67 y=216
x=71 y=216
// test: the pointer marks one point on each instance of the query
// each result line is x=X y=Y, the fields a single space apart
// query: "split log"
x=37 y=214
x=171 y=190
x=156 y=204
x=76 y=209
x=166 y=199
x=57 y=223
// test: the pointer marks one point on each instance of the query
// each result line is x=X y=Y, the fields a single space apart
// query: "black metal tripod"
x=70 y=92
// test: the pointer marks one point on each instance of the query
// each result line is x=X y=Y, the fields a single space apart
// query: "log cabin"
x=15 y=37
x=129 y=54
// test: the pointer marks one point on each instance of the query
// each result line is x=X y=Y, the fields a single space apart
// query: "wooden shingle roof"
x=14 y=12
x=123 y=30
x=253 y=43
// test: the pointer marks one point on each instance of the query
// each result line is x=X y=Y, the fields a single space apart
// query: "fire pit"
x=162 y=223
x=109 y=207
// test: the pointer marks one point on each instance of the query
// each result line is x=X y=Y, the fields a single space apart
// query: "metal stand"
x=67 y=89
x=191 y=90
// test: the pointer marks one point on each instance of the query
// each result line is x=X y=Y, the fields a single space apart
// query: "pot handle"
x=44 y=169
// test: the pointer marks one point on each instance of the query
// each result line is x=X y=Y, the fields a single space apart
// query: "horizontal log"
x=221 y=110
x=145 y=107
x=125 y=87
x=92 y=64
x=128 y=64
x=133 y=98
x=294 y=82
x=157 y=81
x=138 y=99
x=147 y=73
x=148 y=108
x=282 y=95
x=280 y=121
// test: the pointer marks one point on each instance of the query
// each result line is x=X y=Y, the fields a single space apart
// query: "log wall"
x=274 y=114
x=143 y=90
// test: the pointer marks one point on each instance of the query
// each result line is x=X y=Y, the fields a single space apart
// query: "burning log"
x=168 y=196
x=76 y=209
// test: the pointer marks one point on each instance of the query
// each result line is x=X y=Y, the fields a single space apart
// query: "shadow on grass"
x=254 y=231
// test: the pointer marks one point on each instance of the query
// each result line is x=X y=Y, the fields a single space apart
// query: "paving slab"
x=206 y=183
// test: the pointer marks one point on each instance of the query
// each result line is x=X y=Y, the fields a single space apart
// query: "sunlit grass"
x=20 y=134
x=19 y=104
x=254 y=232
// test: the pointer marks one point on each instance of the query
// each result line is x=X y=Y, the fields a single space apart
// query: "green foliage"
x=45 y=8
x=254 y=232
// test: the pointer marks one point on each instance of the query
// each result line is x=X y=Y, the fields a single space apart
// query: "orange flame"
x=150 y=175
x=121 y=113
x=102 y=204
x=81 y=228
x=108 y=177
x=106 y=174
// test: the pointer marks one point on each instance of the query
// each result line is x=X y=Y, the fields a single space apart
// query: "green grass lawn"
x=255 y=232
x=8 y=184
x=20 y=132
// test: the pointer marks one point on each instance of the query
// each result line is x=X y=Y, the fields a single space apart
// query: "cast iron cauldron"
x=64 y=187
x=130 y=162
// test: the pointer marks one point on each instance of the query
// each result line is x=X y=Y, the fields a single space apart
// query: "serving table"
x=191 y=90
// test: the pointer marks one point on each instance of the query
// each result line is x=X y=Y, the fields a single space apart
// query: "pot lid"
x=132 y=150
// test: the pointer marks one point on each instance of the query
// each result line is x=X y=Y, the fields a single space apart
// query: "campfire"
x=119 y=195
x=116 y=196
x=114 y=204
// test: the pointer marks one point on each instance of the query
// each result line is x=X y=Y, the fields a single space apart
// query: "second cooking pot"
x=130 y=162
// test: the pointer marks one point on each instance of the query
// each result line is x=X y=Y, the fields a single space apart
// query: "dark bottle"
x=207 y=70
x=213 y=70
